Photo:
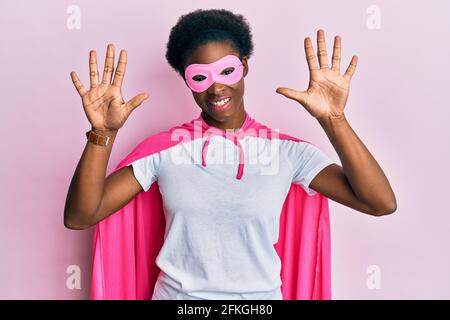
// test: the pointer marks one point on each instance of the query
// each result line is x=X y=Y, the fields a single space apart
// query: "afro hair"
x=202 y=26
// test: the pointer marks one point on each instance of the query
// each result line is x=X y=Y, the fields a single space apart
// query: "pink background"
x=398 y=106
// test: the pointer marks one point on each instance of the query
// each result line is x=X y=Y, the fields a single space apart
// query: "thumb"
x=299 y=96
x=136 y=101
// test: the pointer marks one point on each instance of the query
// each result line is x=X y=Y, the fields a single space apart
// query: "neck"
x=234 y=123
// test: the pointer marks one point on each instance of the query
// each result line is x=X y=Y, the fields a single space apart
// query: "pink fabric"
x=233 y=136
x=126 y=244
x=213 y=72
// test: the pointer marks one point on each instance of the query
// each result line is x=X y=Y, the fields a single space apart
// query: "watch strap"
x=96 y=138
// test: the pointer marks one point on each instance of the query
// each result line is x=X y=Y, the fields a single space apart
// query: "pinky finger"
x=351 y=68
x=77 y=83
x=136 y=101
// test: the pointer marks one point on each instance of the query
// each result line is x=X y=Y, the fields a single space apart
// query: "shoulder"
x=158 y=142
x=264 y=131
x=286 y=143
x=292 y=143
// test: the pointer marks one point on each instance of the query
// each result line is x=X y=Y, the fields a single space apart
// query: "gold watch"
x=96 y=138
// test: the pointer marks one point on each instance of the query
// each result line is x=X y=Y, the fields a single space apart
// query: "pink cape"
x=126 y=244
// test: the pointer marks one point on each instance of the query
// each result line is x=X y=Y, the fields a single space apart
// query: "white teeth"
x=221 y=102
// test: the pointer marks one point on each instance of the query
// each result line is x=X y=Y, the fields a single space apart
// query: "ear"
x=245 y=64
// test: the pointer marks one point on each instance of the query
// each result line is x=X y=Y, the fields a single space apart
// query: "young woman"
x=222 y=218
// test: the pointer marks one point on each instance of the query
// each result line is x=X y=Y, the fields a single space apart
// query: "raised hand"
x=328 y=90
x=103 y=104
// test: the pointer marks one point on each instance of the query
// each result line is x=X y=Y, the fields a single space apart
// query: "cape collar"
x=248 y=122
x=234 y=136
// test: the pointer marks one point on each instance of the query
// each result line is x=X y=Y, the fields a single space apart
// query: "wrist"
x=105 y=132
x=331 y=120
x=101 y=137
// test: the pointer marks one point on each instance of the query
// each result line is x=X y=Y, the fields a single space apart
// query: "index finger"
x=336 y=59
x=310 y=56
x=120 y=70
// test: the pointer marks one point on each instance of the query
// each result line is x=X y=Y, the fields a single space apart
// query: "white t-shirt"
x=220 y=231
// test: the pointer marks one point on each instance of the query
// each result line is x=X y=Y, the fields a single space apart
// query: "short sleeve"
x=307 y=161
x=146 y=170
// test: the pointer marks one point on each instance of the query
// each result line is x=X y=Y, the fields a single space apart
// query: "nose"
x=216 y=89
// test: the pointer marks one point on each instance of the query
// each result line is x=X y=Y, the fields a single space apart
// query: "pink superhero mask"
x=227 y=70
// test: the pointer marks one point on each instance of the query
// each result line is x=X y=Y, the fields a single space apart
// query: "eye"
x=230 y=70
x=198 y=78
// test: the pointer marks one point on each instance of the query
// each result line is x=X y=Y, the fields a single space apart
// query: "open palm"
x=328 y=90
x=103 y=104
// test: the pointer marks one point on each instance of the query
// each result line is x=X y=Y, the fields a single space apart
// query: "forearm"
x=86 y=188
x=365 y=176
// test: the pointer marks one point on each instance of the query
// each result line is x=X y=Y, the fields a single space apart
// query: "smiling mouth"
x=224 y=104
